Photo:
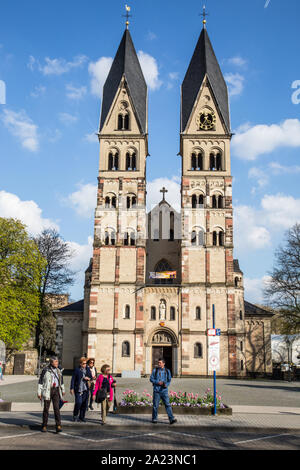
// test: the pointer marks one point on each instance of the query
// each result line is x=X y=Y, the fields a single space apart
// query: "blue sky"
x=53 y=60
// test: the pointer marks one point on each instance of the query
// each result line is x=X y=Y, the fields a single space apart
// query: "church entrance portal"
x=162 y=347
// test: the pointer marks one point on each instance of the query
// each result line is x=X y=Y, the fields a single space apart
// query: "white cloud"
x=154 y=196
x=56 y=66
x=22 y=127
x=254 y=226
x=99 y=71
x=250 y=142
x=278 y=169
x=75 y=93
x=27 y=211
x=280 y=211
x=151 y=36
x=235 y=83
x=84 y=200
x=260 y=176
x=67 y=118
x=254 y=289
x=82 y=255
x=150 y=70
x=250 y=234
x=92 y=138
x=237 y=61
x=38 y=91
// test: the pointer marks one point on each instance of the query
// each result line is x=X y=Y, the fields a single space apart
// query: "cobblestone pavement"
x=234 y=392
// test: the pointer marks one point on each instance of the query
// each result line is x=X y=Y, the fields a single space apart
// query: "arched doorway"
x=163 y=346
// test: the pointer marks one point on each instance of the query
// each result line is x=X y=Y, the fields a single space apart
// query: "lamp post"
x=41 y=342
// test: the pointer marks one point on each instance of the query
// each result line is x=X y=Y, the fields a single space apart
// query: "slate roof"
x=254 y=310
x=74 y=307
x=126 y=63
x=236 y=266
x=204 y=62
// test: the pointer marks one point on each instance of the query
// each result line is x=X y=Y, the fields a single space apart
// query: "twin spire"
x=203 y=65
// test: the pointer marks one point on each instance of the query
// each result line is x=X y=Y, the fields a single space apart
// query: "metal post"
x=215 y=381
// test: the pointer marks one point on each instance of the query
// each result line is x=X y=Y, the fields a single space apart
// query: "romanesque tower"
x=207 y=216
x=114 y=309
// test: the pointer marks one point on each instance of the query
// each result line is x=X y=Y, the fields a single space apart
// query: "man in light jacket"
x=161 y=379
x=51 y=388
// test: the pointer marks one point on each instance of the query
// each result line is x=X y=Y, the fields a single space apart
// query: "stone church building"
x=153 y=278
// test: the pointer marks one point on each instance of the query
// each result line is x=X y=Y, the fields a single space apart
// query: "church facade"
x=154 y=278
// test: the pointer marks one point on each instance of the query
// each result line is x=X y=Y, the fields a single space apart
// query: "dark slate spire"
x=126 y=63
x=203 y=62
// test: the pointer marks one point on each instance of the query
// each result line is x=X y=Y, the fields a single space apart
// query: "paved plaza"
x=234 y=392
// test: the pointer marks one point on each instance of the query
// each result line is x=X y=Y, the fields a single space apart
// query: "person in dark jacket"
x=79 y=387
x=161 y=379
x=91 y=365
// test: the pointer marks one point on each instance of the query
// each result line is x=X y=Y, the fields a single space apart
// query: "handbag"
x=100 y=395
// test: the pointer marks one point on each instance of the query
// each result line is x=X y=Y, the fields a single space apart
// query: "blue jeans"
x=164 y=396
x=81 y=402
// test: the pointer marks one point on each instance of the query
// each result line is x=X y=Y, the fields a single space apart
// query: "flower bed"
x=181 y=402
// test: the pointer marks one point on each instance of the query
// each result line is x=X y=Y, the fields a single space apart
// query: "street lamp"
x=41 y=342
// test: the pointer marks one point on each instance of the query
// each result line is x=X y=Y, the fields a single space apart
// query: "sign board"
x=214 y=353
x=213 y=332
x=2 y=352
x=163 y=275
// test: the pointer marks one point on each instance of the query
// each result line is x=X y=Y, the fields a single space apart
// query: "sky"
x=54 y=58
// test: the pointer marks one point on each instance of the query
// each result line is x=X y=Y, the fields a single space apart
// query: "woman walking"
x=80 y=387
x=105 y=384
x=91 y=365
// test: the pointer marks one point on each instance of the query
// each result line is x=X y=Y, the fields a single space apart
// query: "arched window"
x=162 y=266
x=194 y=237
x=131 y=201
x=220 y=202
x=123 y=122
x=110 y=201
x=215 y=161
x=236 y=282
x=198 y=313
x=197 y=237
x=241 y=315
x=125 y=349
x=172 y=313
x=156 y=235
x=131 y=161
x=153 y=313
x=113 y=161
x=193 y=162
x=198 y=350
x=171 y=238
x=214 y=238
x=129 y=238
x=120 y=122
x=221 y=238
x=197 y=161
x=127 y=312
x=109 y=237
x=197 y=201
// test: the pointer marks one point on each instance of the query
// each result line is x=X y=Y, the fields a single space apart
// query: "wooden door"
x=19 y=364
x=162 y=351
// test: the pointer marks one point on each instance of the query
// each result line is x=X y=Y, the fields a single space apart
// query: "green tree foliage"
x=21 y=267
x=56 y=278
x=283 y=289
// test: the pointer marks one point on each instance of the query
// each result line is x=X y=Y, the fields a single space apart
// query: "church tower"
x=207 y=267
x=114 y=308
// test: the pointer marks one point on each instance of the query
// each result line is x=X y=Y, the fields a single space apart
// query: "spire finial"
x=127 y=16
x=204 y=14
x=164 y=191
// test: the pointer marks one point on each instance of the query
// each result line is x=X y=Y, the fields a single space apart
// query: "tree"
x=21 y=266
x=55 y=279
x=283 y=288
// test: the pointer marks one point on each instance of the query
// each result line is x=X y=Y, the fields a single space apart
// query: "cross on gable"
x=163 y=190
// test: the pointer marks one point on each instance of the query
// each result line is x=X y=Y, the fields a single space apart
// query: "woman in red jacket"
x=106 y=382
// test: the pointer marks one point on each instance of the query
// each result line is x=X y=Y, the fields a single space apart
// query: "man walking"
x=80 y=387
x=51 y=388
x=161 y=379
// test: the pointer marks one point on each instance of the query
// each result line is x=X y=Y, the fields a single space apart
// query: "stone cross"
x=163 y=190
